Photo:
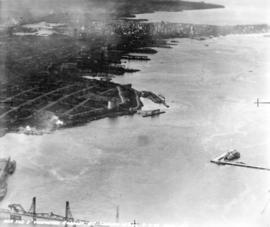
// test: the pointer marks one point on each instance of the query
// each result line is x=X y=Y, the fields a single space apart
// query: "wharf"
x=135 y=57
x=220 y=161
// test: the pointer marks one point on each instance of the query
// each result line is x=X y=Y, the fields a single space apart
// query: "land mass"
x=56 y=69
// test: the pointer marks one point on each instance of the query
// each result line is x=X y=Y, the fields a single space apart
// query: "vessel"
x=151 y=113
x=7 y=167
x=232 y=155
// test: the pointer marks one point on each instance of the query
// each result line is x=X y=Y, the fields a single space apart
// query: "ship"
x=7 y=167
x=232 y=155
x=151 y=113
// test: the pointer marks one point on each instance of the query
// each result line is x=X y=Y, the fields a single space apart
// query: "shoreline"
x=160 y=33
x=97 y=47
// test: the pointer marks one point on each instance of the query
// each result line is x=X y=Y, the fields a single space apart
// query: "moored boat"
x=7 y=167
x=232 y=155
x=151 y=113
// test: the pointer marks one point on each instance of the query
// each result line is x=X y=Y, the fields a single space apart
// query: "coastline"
x=25 y=111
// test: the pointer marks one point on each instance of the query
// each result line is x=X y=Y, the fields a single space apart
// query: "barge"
x=151 y=113
x=7 y=167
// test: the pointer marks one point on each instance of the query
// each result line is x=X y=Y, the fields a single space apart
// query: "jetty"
x=258 y=102
x=220 y=160
x=159 y=99
x=135 y=57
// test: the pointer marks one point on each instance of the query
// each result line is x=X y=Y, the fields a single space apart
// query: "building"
x=112 y=104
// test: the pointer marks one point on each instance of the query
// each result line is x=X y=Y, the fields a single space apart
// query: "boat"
x=3 y=190
x=232 y=155
x=7 y=167
x=11 y=167
x=151 y=113
x=162 y=97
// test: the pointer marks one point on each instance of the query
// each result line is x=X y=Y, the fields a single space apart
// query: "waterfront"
x=158 y=169
x=235 y=12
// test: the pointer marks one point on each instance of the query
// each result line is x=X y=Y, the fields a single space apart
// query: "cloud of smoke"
x=45 y=122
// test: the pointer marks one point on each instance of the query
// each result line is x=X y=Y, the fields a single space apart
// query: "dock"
x=220 y=161
x=136 y=57
x=159 y=99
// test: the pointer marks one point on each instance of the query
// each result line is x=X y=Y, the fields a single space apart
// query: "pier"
x=221 y=161
x=258 y=102
x=159 y=99
x=136 y=57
